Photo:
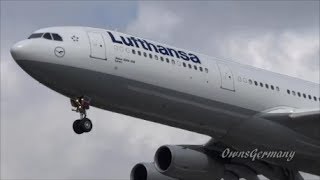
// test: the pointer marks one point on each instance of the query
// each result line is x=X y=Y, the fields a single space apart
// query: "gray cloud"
x=37 y=141
x=268 y=35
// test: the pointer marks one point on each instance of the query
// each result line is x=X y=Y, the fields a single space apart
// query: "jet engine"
x=185 y=163
x=147 y=171
x=190 y=162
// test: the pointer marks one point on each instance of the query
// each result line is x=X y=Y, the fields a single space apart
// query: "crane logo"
x=59 y=52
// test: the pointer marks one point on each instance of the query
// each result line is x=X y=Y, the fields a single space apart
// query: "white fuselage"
x=107 y=67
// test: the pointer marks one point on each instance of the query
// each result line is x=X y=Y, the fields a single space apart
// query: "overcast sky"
x=37 y=140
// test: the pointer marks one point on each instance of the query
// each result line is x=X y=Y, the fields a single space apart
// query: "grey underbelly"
x=148 y=102
x=141 y=100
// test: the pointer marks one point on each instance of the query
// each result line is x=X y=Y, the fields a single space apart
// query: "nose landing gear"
x=81 y=104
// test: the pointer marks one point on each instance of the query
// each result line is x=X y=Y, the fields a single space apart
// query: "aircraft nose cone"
x=17 y=51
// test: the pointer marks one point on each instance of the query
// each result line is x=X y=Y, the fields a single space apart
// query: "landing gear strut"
x=81 y=104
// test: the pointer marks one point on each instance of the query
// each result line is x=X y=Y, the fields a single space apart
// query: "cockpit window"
x=35 y=35
x=47 y=36
x=56 y=37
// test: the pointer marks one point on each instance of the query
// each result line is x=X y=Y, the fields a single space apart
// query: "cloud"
x=37 y=141
x=237 y=31
x=153 y=19
x=278 y=52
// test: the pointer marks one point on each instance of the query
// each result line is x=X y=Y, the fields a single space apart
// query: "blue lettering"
x=194 y=58
x=163 y=50
x=135 y=42
x=183 y=55
x=113 y=39
x=175 y=52
x=151 y=45
x=128 y=43
x=132 y=41
x=143 y=45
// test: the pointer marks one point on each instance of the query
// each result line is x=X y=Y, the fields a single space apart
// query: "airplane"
x=241 y=107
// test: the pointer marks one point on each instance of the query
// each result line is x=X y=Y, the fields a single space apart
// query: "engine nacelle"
x=187 y=164
x=147 y=171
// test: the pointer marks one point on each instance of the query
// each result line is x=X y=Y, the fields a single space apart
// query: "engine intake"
x=185 y=163
x=147 y=171
x=163 y=158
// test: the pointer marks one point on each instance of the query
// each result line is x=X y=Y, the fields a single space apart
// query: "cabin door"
x=227 y=79
x=97 y=45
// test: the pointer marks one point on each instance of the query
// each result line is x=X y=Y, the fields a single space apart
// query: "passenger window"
x=272 y=87
x=35 y=35
x=293 y=93
x=314 y=98
x=184 y=64
x=299 y=94
x=261 y=84
x=56 y=37
x=206 y=70
x=145 y=54
x=150 y=56
x=250 y=81
x=133 y=51
x=288 y=91
x=139 y=53
x=256 y=83
x=155 y=57
x=304 y=95
x=161 y=58
x=245 y=80
x=278 y=89
x=189 y=65
x=173 y=62
x=47 y=36
x=167 y=60
x=201 y=69
x=309 y=96
x=195 y=67
x=267 y=86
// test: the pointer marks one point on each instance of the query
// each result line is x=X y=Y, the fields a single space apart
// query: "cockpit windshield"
x=35 y=35
x=49 y=36
x=56 y=37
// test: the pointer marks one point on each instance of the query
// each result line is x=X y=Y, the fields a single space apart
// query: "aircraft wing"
x=304 y=121
x=291 y=114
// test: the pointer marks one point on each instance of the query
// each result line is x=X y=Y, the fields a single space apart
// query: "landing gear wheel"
x=82 y=125
x=81 y=104
x=76 y=127
x=85 y=125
